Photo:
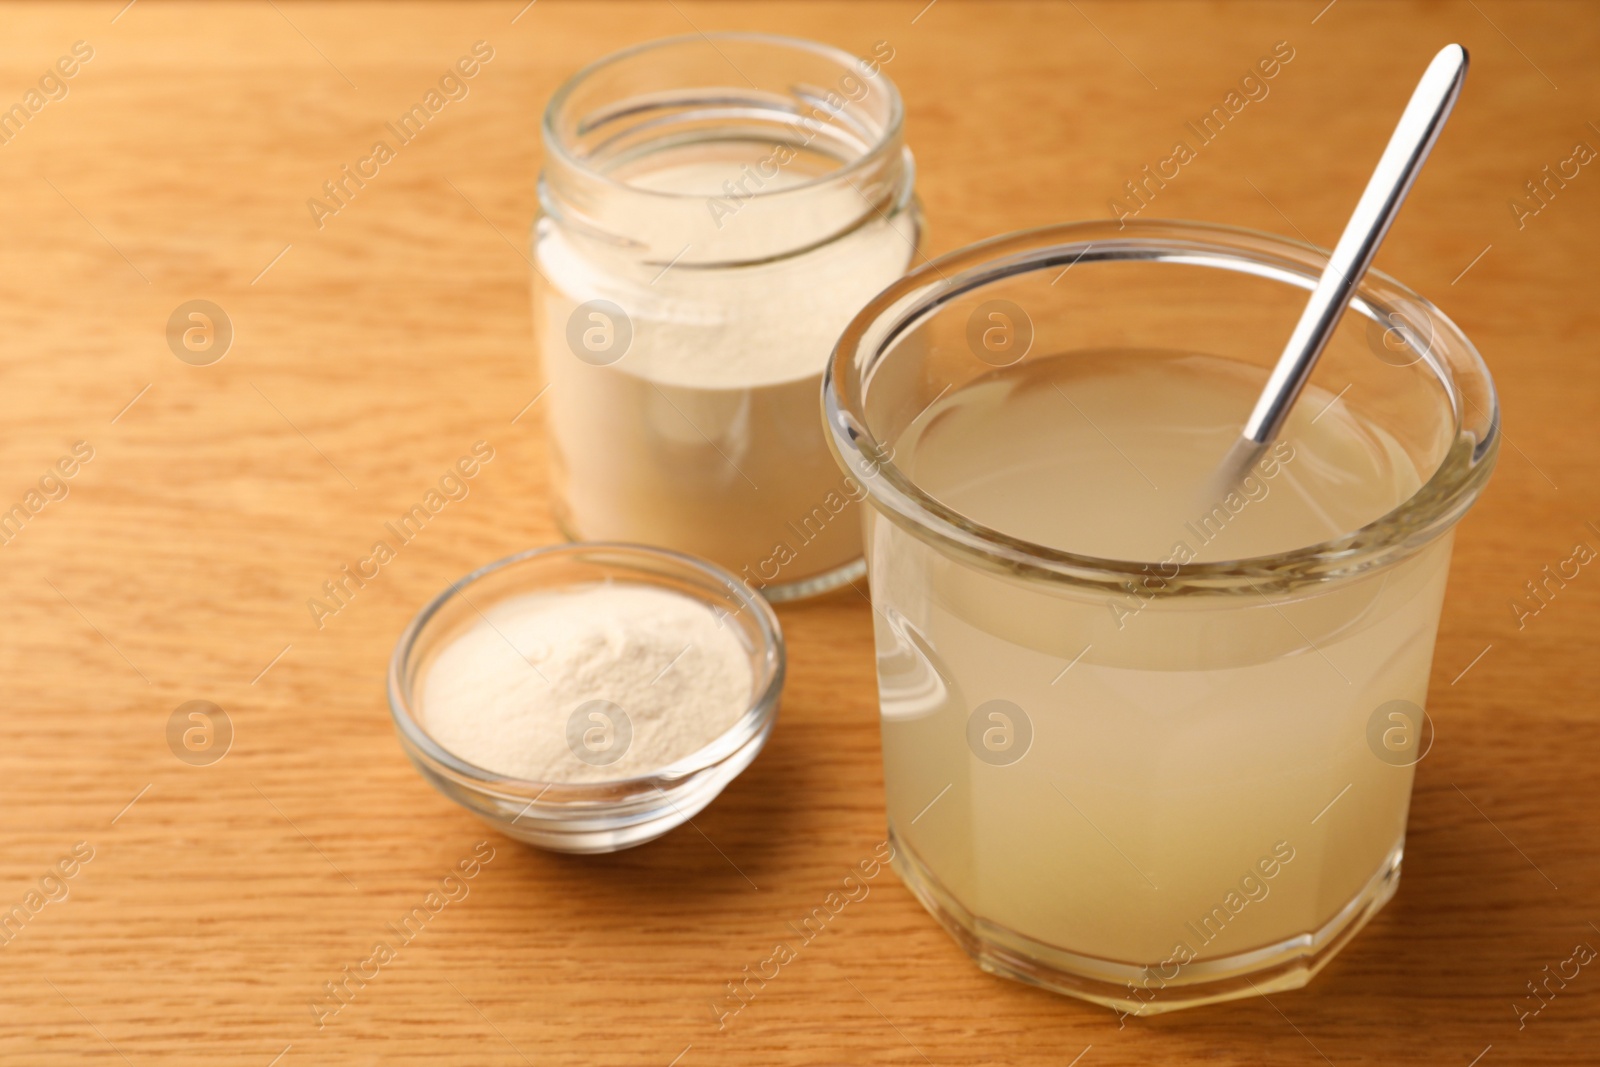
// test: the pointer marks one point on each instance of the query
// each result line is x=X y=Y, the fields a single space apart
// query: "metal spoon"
x=1380 y=202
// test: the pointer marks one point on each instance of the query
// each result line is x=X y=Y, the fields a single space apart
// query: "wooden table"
x=373 y=349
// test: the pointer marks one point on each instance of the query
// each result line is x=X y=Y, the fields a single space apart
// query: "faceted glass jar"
x=1153 y=789
x=714 y=211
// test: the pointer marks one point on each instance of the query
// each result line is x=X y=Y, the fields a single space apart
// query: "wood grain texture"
x=375 y=350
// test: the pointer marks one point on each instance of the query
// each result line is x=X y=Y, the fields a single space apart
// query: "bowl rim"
x=590 y=798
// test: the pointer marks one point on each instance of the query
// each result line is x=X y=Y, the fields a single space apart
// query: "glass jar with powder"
x=714 y=210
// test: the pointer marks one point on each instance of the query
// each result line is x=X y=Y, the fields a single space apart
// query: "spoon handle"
x=1408 y=148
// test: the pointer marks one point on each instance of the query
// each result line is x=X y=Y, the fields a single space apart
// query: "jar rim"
x=886 y=140
x=1426 y=514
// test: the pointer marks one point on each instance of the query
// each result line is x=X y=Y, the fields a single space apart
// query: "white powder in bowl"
x=598 y=683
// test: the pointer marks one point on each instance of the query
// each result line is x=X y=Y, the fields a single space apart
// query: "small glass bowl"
x=589 y=817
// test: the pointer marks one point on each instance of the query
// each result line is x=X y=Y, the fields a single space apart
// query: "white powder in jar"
x=598 y=683
x=706 y=435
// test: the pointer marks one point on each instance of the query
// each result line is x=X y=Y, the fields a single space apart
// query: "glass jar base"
x=777 y=592
x=1131 y=989
x=814 y=585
